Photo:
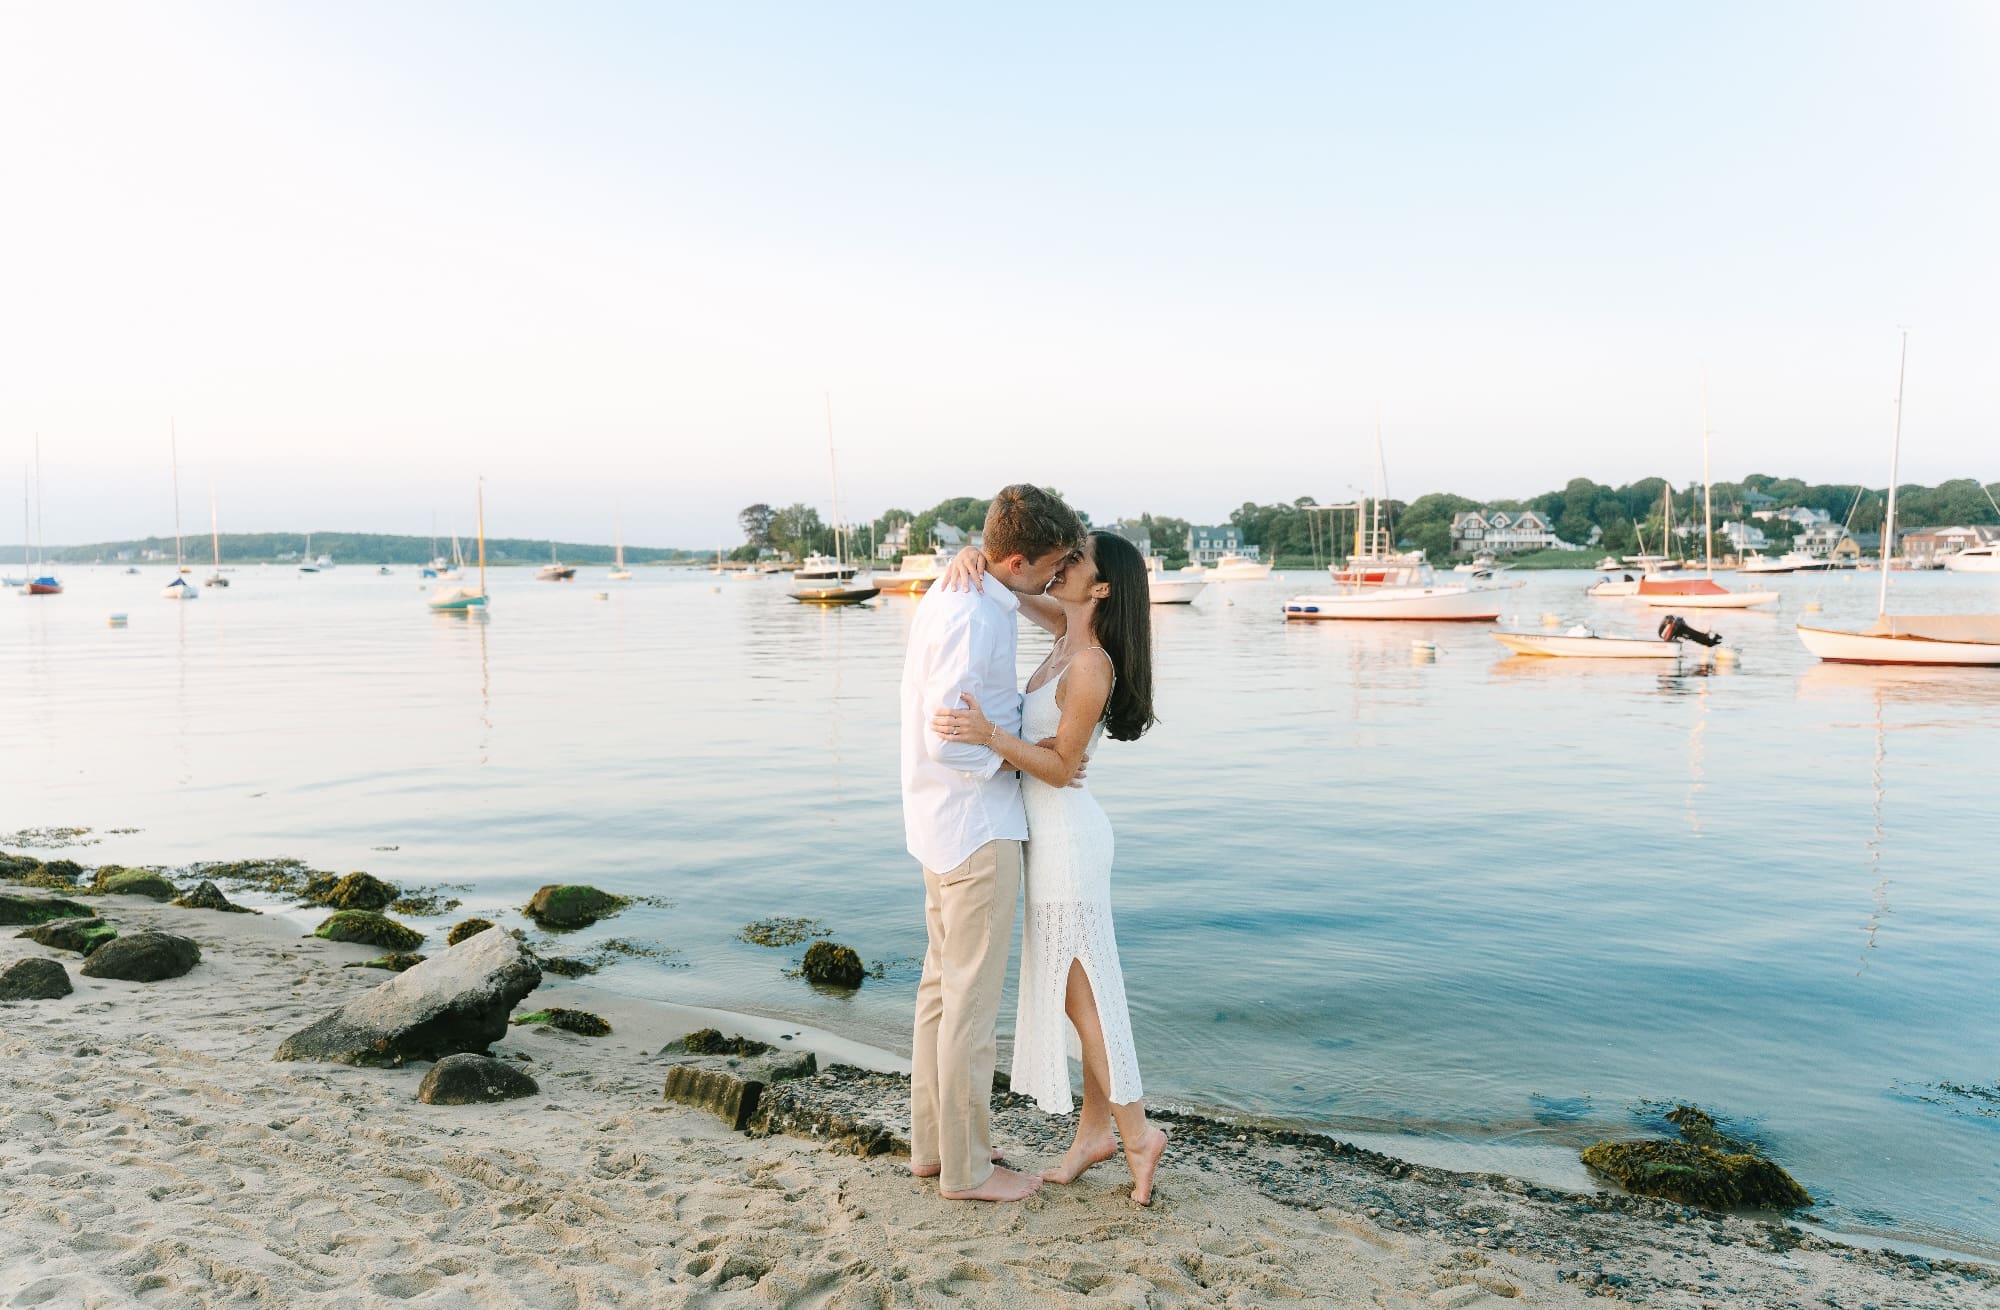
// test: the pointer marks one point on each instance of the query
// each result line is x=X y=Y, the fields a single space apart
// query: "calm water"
x=1490 y=902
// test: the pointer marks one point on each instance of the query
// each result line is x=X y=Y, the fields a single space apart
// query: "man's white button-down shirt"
x=956 y=795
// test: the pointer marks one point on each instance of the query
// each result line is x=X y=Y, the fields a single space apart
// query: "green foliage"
x=368 y=548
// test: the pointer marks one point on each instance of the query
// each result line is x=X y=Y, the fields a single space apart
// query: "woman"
x=1098 y=676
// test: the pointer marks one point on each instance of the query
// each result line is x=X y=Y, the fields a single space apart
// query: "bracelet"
x=992 y=732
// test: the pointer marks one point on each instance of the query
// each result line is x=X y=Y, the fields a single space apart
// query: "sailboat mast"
x=839 y=559
x=41 y=524
x=1707 y=487
x=482 y=536
x=174 y=444
x=214 y=527
x=618 y=530
x=27 y=536
x=1895 y=458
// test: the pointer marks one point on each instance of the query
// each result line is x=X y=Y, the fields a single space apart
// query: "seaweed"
x=572 y=905
x=370 y=929
x=1706 y=1168
x=833 y=966
x=581 y=1022
x=710 y=1041
x=427 y=902
x=53 y=839
x=393 y=963
x=466 y=928
x=356 y=891
x=782 y=931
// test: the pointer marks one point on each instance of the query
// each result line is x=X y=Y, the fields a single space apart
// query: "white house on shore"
x=1207 y=545
x=1133 y=532
x=1744 y=537
x=1500 y=532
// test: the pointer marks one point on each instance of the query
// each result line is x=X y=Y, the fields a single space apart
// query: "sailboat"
x=306 y=562
x=1702 y=593
x=455 y=569
x=430 y=570
x=555 y=570
x=180 y=588
x=823 y=581
x=459 y=600
x=619 y=573
x=215 y=540
x=1965 y=640
x=40 y=581
x=27 y=540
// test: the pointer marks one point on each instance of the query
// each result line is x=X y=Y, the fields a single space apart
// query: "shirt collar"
x=1004 y=597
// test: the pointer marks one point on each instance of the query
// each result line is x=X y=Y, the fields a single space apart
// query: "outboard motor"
x=1674 y=628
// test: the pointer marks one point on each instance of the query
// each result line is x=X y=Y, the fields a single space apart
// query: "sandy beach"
x=152 y=1153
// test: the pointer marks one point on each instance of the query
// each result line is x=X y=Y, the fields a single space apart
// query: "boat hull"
x=903 y=586
x=1401 y=604
x=1604 y=648
x=1614 y=587
x=458 y=602
x=835 y=595
x=1975 y=564
x=1174 y=591
x=1724 y=600
x=1840 y=647
x=1239 y=573
x=40 y=588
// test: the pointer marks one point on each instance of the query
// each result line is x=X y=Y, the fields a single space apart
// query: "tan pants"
x=970 y=913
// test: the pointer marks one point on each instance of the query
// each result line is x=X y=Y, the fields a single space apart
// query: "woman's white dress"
x=1069 y=918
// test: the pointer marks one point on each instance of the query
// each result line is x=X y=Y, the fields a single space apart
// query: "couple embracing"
x=993 y=801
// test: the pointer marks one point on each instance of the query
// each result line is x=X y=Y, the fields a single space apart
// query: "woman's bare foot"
x=933 y=1170
x=1000 y=1185
x=1143 y=1162
x=1080 y=1156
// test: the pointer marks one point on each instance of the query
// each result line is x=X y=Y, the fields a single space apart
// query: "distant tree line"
x=361 y=548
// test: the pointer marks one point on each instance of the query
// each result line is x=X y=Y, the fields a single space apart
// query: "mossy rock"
x=40 y=909
x=207 y=896
x=369 y=929
x=572 y=905
x=1698 y=1175
x=564 y=966
x=833 y=966
x=80 y=935
x=710 y=1041
x=393 y=963
x=357 y=891
x=17 y=867
x=136 y=882
x=581 y=1022
x=59 y=875
x=466 y=928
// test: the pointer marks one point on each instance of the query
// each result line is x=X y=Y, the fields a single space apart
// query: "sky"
x=626 y=259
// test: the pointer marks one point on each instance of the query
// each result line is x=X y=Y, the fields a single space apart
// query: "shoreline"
x=151 y=1145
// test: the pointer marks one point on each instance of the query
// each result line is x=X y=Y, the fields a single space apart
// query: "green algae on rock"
x=426 y=902
x=357 y=891
x=393 y=963
x=782 y=931
x=369 y=929
x=58 y=875
x=581 y=1022
x=16 y=867
x=572 y=905
x=832 y=965
x=207 y=896
x=135 y=882
x=464 y=929
x=80 y=935
x=1707 y=1169
x=565 y=967
x=40 y=909
x=710 y=1041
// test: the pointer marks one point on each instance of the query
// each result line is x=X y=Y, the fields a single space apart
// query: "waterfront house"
x=1133 y=532
x=1805 y=519
x=1926 y=548
x=1826 y=541
x=894 y=542
x=1500 y=532
x=1744 y=537
x=1207 y=545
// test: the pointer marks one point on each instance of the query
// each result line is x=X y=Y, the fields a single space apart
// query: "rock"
x=710 y=1041
x=370 y=929
x=59 y=875
x=207 y=896
x=730 y=1085
x=396 y=963
x=80 y=935
x=39 y=909
x=357 y=891
x=135 y=882
x=147 y=956
x=37 y=979
x=1697 y=1175
x=581 y=1022
x=471 y=1079
x=565 y=966
x=466 y=928
x=572 y=905
x=835 y=966
x=16 y=867
x=457 y=1001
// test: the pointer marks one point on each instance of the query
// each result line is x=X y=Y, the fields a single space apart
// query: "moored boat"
x=830 y=579
x=1699 y=593
x=1975 y=559
x=463 y=600
x=1585 y=644
x=1238 y=568
x=1176 y=588
x=914 y=574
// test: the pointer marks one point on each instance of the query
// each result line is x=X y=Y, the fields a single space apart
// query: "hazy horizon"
x=619 y=257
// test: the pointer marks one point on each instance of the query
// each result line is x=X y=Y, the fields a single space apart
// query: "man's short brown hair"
x=1026 y=520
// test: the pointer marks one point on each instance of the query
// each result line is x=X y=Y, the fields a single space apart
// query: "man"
x=962 y=818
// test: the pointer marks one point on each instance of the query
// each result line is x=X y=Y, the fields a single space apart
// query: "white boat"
x=1379 y=584
x=1703 y=593
x=830 y=580
x=555 y=570
x=1792 y=561
x=914 y=575
x=306 y=564
x=1625 y=586
x=1481 y=566
x=1238 y=568
x=1609 y=564
x=1975 y=559
x=1177 y=588
x=619 y=573
x=180 y=588
x=1581 y=643
x=1961 y=640
x=463 y=600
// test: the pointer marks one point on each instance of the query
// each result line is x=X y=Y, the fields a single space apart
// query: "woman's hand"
x=966 y=572
x=967 y=725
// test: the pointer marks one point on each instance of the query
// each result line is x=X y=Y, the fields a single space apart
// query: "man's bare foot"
x=933 y=1170
x=1143 y=1162
x=1001 y=1185
x=1080 y=1156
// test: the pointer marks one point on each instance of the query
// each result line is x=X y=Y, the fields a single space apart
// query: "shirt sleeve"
x=952 y=670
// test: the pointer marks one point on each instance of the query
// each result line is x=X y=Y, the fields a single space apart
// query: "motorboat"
x=1614 y=587
x=1699 y=593
x=1582 y=642
x=1609 y=564
x=1975 y=559
x=1792 y=561
x=1177 y=588
x=1403 y=588
x=181 y=589
x=43 y=586
x=819 y=570
x=914 y=575
x=1481 y=566
x=1238 y=568
x=555 y=571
